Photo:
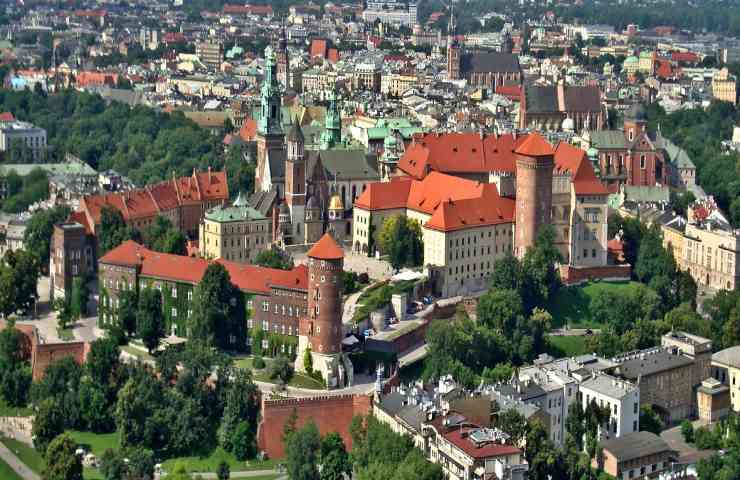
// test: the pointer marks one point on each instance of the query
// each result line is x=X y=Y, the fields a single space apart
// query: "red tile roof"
x=326 y=249
x=688 y=57
x=512 y=92
x=332 y=55
x=87 y=79
x=573 y=160
x=452 y=202
x=459 y=153
x=179 y=268
x=6 y=117
x=535 y=146
x=488 y=450
x=664 y=69
x=150 y=201
x=318 y=48
x=259 y=10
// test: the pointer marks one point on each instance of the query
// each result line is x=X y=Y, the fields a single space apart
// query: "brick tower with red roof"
x=320 y=331
x=534 y=164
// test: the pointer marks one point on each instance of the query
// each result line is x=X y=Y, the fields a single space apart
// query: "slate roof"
x=263 y=201
x=349 y=164
x=652 y=363
x=233 y=214
x=635 y=445
x=489 y=62
x=544 y=99
x=728 y=356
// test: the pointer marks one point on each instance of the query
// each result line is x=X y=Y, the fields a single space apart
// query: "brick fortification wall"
x=574 y=276
x=330 y=413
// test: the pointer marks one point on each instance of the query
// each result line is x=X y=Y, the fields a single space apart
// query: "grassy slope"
x=571 y=304
x=7 y=473
x=566 y=346
x=26 y=454
x=8 y=411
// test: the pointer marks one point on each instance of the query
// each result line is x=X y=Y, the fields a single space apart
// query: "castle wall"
x=330 y=413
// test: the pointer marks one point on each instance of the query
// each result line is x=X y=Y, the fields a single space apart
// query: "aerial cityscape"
x=388 y=239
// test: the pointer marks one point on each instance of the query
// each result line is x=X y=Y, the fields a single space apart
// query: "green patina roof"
x=24 y=169
x=233 y=214
x=604 y=139
x=631 y=59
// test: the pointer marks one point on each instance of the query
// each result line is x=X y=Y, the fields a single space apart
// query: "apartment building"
x=14 y=132
x=724 y=86
x=622 y=398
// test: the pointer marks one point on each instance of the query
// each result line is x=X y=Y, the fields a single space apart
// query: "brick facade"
x=331 y=413
x=533 y=198
x=571 y=275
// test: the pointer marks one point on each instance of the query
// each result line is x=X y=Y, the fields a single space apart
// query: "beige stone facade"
x=395 y=84
x=724 y=86
x=236 y=233
x=712 y=257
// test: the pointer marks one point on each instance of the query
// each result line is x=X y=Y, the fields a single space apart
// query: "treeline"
x=139 y=142
x=700 y=132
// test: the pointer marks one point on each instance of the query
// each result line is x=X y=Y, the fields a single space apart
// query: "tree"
x=19 y=274
x=243 y=443
x=308 y=360
x=94 y=407
x=40 y=228
x=63 y=310
x=149 y=322
x=273 y=259
x=47 y=425
x=223 y=472
x=500 y=309
x=161 y=236
x=290 y=425
x=241 y=404
x=128 y=302
x=650 y=421
x=400 y=239
x=15 y=373
x=78 y=300
x=539 y=278
x=506 y=273
x=112 y=465
x=513 y=423
x=102 y=361
x=218 y=316
x=62 y=461
x=140 y=463
x=302 y=452
x=334 y=458
x=113 y=230
x=687 y=431
x=280 y=369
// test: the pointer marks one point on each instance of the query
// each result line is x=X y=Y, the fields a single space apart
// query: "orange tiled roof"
x=569 y=158
x=535 y=146
x=452 y=202
x=248 y=132
x=6 y=117
x=326 y=249
x=149 y=201
x=318 y=48
x=179 y=268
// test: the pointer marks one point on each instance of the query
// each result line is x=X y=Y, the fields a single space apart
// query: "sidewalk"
x=14 y=463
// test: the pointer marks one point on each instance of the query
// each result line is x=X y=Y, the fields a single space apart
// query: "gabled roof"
x=485 y=62
x=183 y=269
x=326 y=249
x=535 y=146
x=453 y=203
x=571 y=159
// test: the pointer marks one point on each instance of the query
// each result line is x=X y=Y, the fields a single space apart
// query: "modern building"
x=14 y=132
x=634 y=456
x=390 y=12
x=237 y=233
x=724 y=86
x=210 y=53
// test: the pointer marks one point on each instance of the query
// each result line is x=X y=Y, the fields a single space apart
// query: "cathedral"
x=314 y=189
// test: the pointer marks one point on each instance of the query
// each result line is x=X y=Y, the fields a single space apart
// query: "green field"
x=211 y=462
x=7 y=473
x=97 y=443
x=144 y=356
x=561 y=346
x=299 y=380
x=8 y=411
x=571 y=304
x=25 y=454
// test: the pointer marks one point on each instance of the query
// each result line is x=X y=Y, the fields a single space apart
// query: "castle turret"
x=320 y=331
x=534 y=164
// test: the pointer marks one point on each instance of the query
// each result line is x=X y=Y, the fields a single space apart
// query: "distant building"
x=546 y=108
x=620 y=396
x=724 y=86
x=635 y=456
x=13 y=132
x=726 y=369
x=390 y=12
x=210 y=53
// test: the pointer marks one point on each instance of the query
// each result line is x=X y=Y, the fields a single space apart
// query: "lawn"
x=211 y=462
x=65 y=334
x=561 y=346
x=571 y=304
x=97 y=443
x=299 y=380
x=142 y=355
x=8 y=411
x=25 y=454
x=7 y=473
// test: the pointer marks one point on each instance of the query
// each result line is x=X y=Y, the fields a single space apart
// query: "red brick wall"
x=331 y=413
x=573 y=276
x=47 y=353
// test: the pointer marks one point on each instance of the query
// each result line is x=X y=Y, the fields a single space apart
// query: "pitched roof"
x=326 y=249
x=546 y=99
x=452 y=202
x=149 y=201
x=608 y=139
x=635 y=445
x=485 y=62
x=178 y=268
x=571 y=159
x=6 y=117
x=535 y=146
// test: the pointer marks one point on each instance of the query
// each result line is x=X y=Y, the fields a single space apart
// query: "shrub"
x=258 y=362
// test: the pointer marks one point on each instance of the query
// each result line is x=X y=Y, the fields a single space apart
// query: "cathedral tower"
x=321 y=330
x=454 y=50
x=283 y=62
x=295 y=178
x=332 y=135
x=534 y=164
x=270 y=136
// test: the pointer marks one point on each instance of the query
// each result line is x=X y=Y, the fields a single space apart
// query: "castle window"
x=642 y=162
x=174 y=312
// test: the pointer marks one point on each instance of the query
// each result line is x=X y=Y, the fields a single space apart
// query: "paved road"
x=14 y=463
x=573 y=332
x=249 y=474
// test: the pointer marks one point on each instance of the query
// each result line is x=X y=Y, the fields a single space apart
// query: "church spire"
x=270 y=113
x=332 y=134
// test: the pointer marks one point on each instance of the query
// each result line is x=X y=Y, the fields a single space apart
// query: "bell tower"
x=270 y=135
x=454 y=51
x=283 y=62
x=295 y=178
x=332 y=134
